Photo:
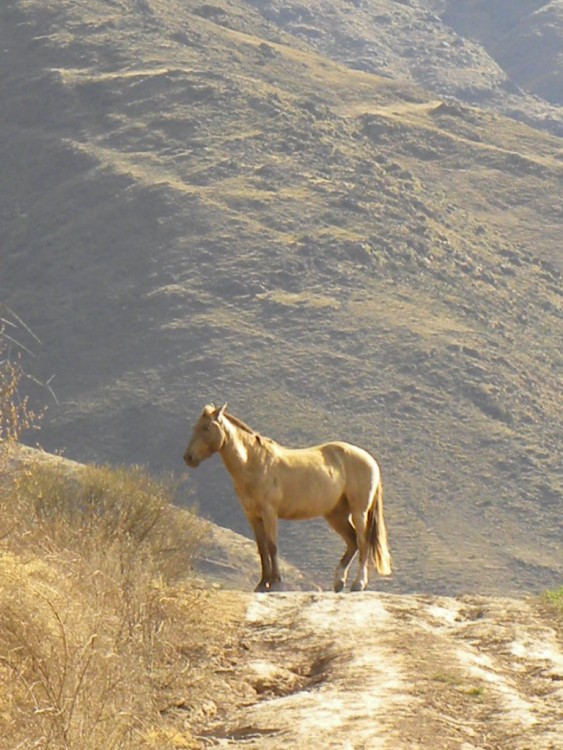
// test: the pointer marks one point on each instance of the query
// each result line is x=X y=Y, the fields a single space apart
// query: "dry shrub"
x=16 y=416
x=89 y=621
x=108 y=516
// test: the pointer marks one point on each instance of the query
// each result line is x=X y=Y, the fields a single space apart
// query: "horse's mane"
x=243 y=426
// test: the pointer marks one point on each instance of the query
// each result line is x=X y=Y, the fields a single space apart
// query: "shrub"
x=89 y=622
x=105 y=515
x=94 y=640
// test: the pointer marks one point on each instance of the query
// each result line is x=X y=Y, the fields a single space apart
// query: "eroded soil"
x=357 y=672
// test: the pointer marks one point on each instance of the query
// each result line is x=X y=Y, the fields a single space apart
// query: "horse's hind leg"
x=338 y=519
x=360 y=524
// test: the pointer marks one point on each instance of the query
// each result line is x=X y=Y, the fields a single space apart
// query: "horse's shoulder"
x=261 y=459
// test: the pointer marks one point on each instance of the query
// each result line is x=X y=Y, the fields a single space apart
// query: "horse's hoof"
x=358 y=586
x=262 y=588
x=276 y=586
x=338 y=586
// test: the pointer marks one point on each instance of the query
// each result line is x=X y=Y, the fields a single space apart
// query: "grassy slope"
x=107 y=640
x=192 y=213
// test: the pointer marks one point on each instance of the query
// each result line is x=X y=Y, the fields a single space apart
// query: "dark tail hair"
x=377 y=534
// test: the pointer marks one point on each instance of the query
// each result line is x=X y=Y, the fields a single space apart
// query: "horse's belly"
x=301 y=505
x=300 y=513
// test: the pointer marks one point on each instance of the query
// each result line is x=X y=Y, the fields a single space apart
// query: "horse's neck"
x=236 y=449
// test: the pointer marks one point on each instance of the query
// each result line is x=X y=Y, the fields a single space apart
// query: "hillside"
x=503 y=55
x=202 y=201
x=523 y=36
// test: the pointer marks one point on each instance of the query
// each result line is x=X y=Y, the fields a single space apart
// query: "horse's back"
x=337 y=453
x=349 y=465
x=308 y=482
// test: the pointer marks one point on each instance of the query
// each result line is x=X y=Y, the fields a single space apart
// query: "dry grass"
x=15 y=414
x=96 y=633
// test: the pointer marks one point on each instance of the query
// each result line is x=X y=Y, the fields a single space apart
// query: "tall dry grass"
x=94 y=636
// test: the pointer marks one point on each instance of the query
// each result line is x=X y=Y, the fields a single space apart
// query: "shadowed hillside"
x=524 y=36
x=498 y=54
x=197 y=205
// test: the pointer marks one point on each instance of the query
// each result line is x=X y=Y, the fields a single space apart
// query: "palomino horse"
x=336 y=480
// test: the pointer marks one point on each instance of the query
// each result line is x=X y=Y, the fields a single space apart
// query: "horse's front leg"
x=260 y=536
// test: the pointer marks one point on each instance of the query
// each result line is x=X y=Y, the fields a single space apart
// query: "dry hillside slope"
x=502 y=55
x=198 y=203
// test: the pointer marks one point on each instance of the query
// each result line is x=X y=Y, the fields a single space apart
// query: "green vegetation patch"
x=555 y=598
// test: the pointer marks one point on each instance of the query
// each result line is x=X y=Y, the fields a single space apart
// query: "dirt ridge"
x=404 y=672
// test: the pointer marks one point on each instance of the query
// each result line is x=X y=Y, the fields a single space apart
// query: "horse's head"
x=208 y=436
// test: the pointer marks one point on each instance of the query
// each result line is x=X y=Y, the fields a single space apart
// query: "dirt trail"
x=369 y=671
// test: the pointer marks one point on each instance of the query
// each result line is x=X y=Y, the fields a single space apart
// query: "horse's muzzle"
x=191 y=460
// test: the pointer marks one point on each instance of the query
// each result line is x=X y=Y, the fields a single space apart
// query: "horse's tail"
x=377 y=534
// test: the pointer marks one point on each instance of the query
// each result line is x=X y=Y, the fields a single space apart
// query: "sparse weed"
x=475 y=692
x=16 y=415
x=555 y=601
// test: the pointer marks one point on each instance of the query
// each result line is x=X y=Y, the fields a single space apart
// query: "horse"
x=336 y=480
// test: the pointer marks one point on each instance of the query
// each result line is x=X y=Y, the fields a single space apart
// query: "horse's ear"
x=220 y=411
